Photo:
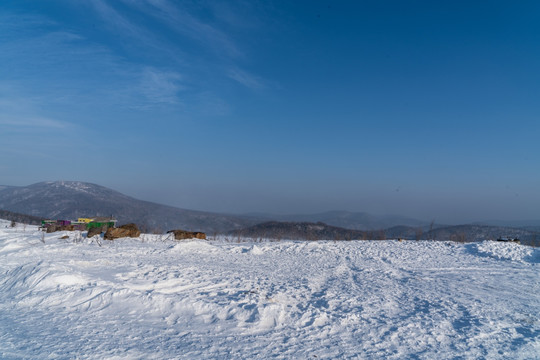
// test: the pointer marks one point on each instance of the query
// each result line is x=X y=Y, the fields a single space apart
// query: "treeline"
x=321 y=231
x=20 y=218
x=304 y=231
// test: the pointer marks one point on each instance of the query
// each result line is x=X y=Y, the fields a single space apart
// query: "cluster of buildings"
x=81 y=224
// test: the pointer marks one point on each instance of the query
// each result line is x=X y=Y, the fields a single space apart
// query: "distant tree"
x=20 y=218
x=419 y=233
x=431 y=229
x=459 y=237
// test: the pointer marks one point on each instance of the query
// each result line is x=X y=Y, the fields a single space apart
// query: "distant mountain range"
x=73 y=199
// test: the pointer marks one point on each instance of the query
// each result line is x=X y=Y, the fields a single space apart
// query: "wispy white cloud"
x=22 y=114
x=185 y=19
x=53 y=68
x=180 y=19
x=116 y=20
x=160 y=86
x=243 y=77
x=61 y=72
x=138 y=35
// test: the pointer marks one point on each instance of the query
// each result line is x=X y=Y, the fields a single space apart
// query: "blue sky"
x=420 y=108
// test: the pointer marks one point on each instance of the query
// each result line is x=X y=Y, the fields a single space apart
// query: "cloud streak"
x=117 y=21
x=21 y=113
x=248 y=80
x=184 y=21
x=181 y=20
x=161 y=86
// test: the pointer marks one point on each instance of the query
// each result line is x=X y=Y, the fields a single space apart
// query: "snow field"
x=157 y=299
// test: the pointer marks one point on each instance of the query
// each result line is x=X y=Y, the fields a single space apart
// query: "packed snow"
x=156 y=298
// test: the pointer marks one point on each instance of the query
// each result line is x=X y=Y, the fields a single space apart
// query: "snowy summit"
x=155 y=298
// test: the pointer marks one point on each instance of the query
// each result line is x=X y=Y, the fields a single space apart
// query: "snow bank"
x=506 y=251
x=152 y=298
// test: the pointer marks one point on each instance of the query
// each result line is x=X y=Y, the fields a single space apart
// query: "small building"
x=101 y=222
x=81 y=224
x=48 y=223
x=85 y=220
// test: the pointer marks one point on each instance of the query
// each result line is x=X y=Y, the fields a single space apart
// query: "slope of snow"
x=153 y=298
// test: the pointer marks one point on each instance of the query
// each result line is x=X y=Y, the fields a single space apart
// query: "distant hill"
x=464 y=233
x=348 y=220
x=522 y=224
x=303 y=231
x=322 y=231
x=469 y=233
x=20 y=218
x=73 y=199
x=405 y=232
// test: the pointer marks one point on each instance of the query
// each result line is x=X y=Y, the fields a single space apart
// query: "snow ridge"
x=506 y=251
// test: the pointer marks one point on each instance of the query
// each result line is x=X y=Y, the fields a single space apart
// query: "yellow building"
x=85 y=220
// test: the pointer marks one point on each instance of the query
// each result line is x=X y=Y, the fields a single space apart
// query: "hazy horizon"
x=276 y=212
x=426 y=110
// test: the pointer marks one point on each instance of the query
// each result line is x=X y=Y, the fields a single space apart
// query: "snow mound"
x=506 y=251
x=198 y=246
x=256 y=250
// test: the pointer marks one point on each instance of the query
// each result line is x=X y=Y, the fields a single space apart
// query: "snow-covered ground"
x=153 y=298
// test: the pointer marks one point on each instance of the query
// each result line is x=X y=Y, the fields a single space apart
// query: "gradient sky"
x=429 y=109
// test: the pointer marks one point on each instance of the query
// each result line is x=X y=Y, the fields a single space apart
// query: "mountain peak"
x=73 y=185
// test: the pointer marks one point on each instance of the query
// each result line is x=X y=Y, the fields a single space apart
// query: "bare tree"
x=460 y=237
x=419 y=233
x=431 y=229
